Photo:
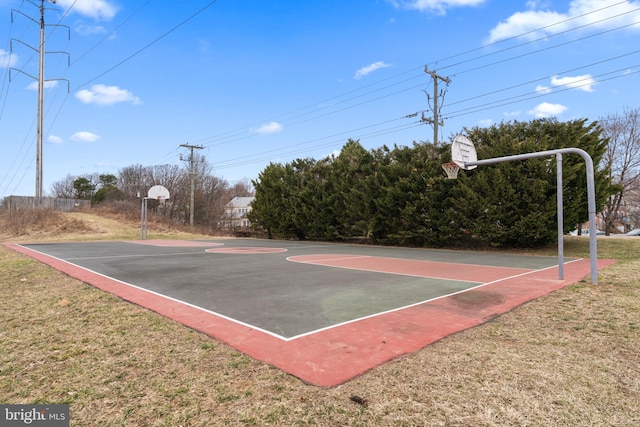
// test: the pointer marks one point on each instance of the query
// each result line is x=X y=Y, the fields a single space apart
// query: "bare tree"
x=134 y=181
x=623 y=160
x=242 y=188
x=64 y=189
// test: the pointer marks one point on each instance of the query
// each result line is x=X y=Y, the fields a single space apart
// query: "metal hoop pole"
x=591 y=194
x=560 y=214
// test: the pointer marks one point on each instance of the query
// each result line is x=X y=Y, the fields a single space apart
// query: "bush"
x=26 y=222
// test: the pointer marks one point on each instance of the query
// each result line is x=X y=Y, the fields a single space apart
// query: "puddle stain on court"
x=477 y=299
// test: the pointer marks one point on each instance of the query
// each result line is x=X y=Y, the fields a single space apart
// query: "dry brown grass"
x=571 y=358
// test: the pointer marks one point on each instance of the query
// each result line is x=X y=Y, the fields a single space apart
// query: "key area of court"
x=322 y=312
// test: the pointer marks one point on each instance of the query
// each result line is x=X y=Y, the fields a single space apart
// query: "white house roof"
x=240 y=201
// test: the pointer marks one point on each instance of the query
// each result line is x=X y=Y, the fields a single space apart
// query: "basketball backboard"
x=463 y=151
x=158 y=192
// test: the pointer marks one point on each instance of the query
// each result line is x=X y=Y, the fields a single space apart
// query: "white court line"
x=280 y=337
x=429 y=260
x=135 y=255
x=328 y=259
x=422 y=302
x=385 y=272
x=204 y=310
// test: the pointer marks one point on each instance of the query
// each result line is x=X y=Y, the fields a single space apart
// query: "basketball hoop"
x=451 y=169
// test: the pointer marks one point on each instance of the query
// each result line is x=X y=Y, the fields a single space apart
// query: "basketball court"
x=324 y=313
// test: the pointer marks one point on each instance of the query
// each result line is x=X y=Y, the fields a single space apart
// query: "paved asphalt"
x=266 y=291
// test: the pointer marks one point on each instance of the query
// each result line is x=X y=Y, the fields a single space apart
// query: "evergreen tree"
x=513 y=203
x=83 y=187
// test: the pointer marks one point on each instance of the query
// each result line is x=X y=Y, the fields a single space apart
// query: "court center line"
x=394 y=310
x=425 y=260
x=342 y=258
x=137 y=256
x=418 y=276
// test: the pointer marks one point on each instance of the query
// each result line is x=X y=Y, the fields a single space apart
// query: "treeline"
x=124 y=191
x=401 y=196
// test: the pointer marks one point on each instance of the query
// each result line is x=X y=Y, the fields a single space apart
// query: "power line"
x=147 y=46
x=245 y=160
x=537 y=30
x=524 y=97
x=513 y=58
x=234 y=134
x=545 y=77
x=111 y=33
x=325 y=104
x=137 y=52
x=300 y=113
x=546 y=38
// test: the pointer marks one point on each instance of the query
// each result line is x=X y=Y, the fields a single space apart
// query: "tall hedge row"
x=401 y=196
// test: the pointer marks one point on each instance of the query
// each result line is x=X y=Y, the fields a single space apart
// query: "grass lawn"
x=571 y=358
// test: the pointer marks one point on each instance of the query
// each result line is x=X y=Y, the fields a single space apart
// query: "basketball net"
x=451 y=169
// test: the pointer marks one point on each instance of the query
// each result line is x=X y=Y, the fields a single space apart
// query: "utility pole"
x=40 y=105
x=192 y=174
x=41 y=80
x=435 y=121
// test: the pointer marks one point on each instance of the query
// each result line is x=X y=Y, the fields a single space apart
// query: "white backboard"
x=158 y=192
x=463 y=151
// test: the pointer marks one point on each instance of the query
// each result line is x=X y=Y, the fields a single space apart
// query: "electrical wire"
x=528 y=96
x=232 y=136
x=528 y=82
x=545 y=38
x=312 y=109
x=147 y=46
x=245 y=160
x=111 y=33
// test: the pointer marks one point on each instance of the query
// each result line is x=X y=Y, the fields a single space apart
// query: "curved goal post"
x=464 y=154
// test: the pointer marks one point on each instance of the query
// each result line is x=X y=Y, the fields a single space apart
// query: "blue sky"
x=255 y=82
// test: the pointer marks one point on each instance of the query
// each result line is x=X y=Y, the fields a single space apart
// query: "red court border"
x=335 y=355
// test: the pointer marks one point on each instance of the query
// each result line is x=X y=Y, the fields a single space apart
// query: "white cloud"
x=485 y=123
x=55 y=139
x=96 y=9
x=584 y=82
x=106 y=95
x=272 y=127
x=547 y=110
x=84 y=136
x=8 y=59
x=370 y=69
x=47 y=85
x=536 y=4
x=543 y=89
x=594 y=13
x=87 y=30
x=522 y=22
x=438 y=7
x=512 y=113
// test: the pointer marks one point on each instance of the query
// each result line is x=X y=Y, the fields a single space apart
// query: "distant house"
x=236 y=212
